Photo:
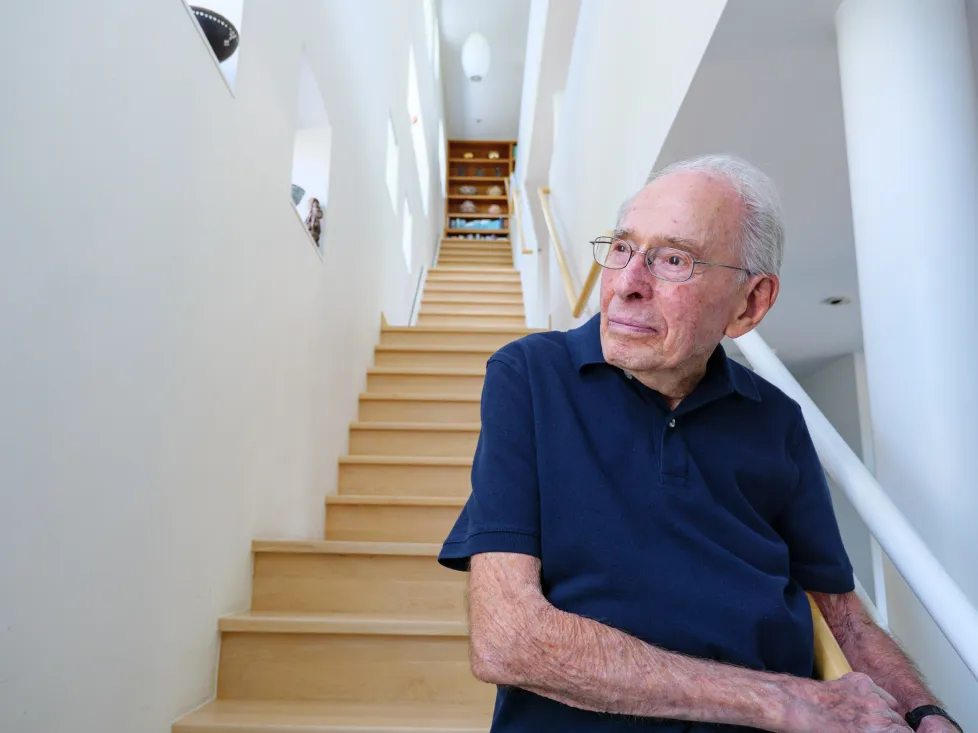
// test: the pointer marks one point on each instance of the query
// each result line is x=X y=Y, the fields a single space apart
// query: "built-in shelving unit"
x=478 y=188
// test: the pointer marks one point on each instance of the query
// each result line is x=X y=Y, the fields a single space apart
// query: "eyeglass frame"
x=648 y=265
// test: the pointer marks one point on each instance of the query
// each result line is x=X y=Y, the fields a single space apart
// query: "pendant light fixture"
x=475 y=56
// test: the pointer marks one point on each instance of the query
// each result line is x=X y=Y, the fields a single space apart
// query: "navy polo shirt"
x=696 y=529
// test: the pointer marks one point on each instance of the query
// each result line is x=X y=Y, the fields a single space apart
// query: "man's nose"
x=634 y=280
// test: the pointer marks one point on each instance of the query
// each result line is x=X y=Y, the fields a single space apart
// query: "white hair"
x=761 y=227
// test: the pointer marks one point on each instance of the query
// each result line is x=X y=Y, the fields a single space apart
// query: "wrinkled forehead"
x=697 y=211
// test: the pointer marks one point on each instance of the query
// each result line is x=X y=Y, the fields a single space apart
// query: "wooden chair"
x=830 y=662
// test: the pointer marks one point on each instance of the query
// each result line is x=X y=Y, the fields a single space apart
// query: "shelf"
x=497 y=232
x=496 y=161
x=477 y=215
x=477 y=178
x=478 y=197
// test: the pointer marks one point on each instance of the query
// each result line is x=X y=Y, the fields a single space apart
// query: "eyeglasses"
x=666 y=263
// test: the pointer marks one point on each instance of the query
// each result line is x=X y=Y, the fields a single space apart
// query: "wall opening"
x=417 y=131
x=311 y=154
x=393 y=164
x=407 y=237
x=219 y=24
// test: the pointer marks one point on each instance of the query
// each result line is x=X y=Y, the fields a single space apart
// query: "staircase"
x=364 y=632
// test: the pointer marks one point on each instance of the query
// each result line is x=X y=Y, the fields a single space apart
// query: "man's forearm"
x=588 y=665
x=605 y=670
x=872 y=651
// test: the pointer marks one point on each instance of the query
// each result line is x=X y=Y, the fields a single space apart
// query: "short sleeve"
x=808 y=524
x=502 y=513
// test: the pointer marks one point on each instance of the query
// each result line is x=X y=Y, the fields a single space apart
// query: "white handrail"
x=940 y=595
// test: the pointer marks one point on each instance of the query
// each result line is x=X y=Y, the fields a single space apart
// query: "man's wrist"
x=936 y=724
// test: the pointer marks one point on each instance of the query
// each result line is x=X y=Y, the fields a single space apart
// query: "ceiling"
x=489 y=109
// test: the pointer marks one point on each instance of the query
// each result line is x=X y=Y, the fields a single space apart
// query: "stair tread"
x=434 y=349
x=273 y=716
x=434 y=371
x=360 y=622
x=406 y=460
x=445 y=427
x=475 y=268
x=335 y=547
x=463 y=329
x=418 y=397
x=397 y=500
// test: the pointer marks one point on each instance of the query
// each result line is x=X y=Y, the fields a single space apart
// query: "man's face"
x=650 y=325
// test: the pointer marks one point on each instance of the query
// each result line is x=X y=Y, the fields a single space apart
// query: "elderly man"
x=647 y=515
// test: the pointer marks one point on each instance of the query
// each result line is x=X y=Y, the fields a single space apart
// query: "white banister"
x=936 y=590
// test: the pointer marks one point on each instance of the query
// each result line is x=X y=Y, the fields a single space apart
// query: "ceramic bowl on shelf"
x=495 y=191
x=495 y=209
x=468 y=156
x=467 y=207
x=468 y=190
x=493 y=154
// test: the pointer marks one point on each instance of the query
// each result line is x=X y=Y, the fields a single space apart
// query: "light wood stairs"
x=364 y=632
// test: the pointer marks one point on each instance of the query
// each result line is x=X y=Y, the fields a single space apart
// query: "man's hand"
x=852 y=704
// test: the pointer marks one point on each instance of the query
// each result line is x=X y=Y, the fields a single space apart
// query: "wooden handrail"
x=577 y=301
x=830 y=662
x=513 y=192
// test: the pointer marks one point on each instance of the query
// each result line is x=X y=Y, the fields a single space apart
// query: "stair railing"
x=513 y=191
x=940 y=595
x=576 y=300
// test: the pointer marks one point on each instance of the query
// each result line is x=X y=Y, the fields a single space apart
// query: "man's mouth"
x=630 y=325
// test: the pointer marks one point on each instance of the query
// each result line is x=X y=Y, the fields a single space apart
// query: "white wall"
x=618 y=108
x=834 y=389
x=178 y=366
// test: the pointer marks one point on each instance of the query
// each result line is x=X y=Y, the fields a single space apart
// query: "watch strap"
x=916 y=715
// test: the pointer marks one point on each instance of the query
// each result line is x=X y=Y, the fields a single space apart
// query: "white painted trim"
x=418 y=295
x=938 y=593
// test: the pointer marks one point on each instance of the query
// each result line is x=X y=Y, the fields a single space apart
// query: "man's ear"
x=757 y=298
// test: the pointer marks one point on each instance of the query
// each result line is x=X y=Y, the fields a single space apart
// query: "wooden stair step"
x=348 y=668
x=413 y=439
x=405 y=475
x=359 y=623
x=429 y=381
x=434 y=408
x=476 y=260
x=328 y=576
x=465 y=335
x=431 y=306
x=276 y=716
x=507 y=293
x=445 y=356
x=500 y=249
x=462 y=319
x=482 y=270
x=368 y=518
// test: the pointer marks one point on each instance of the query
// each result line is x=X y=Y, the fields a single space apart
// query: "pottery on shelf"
x=494 y=154
x=495 y=191
x=220 y=32
x=468 y=190
x=495 y=209
x=467 y=207
x=468 y=156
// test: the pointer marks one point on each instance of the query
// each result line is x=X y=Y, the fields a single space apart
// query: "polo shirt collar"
x=584 y=343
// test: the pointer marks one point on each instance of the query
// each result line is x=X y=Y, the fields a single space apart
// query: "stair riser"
x=496 y=309
x=404 y=480
x=371 y=523
x=351 y=668
x=414 y=411
x=451 y=444
x=472 y=288
x=475 y=276
x=425 y=319
x=356 y=584
x=454 y=249
x=475 y=258
x=433 y=359
x=471 y=339
x=473 y=296
x=425 y=383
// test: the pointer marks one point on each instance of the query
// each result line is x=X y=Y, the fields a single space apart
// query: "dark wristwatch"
x=916 y=715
